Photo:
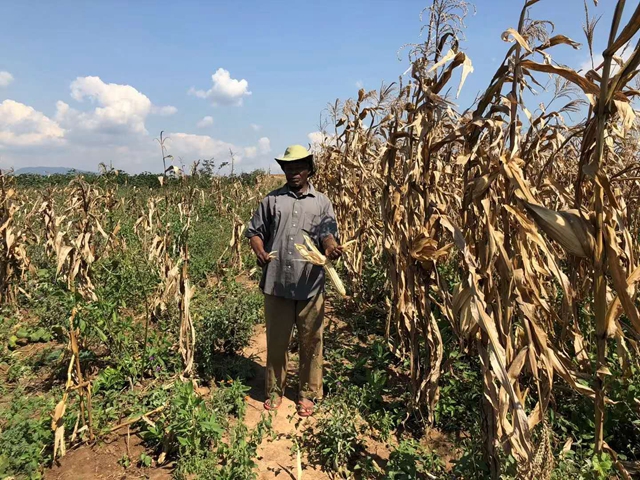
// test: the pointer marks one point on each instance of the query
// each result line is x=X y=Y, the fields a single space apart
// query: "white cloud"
x=191 y=146
x=205 y=122
x=121 y=108
x=105 y=122
x=111 y=130
x=5 y=78
x=317 y=139
x=255 y=127
x=22 y=125
x=251 y=152
x=225 y=90
x=264 y=145
x=138 y=154
x=164 y=111
x=598 y=59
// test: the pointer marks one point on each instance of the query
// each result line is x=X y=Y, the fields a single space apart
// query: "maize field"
x=535 y=213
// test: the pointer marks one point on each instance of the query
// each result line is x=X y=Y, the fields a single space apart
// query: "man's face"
x=297 y=173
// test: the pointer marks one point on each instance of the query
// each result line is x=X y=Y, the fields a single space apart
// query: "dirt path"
x=275 y=460
x=101 y=463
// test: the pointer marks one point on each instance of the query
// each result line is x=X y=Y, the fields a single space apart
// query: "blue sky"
x=87 y=82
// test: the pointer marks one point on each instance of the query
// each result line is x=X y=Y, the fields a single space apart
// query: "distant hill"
x=47 y=170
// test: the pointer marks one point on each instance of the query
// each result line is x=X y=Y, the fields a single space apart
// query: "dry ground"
x=275 y=459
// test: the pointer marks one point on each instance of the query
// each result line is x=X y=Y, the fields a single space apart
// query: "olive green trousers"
x=281 y=314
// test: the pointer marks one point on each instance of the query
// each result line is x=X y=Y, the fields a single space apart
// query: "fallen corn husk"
x=311 y=254
x=273 y=254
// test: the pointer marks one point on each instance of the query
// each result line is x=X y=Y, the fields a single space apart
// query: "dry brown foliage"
x=535 y=211
x=14 y=262
x=77 y=238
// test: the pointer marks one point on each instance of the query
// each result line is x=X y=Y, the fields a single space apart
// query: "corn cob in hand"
x=311 y=254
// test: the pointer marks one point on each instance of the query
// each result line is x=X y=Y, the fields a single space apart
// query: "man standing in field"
x=293 y=289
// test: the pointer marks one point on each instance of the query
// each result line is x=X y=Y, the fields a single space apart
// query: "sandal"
x=305 y=407
x=272 y=403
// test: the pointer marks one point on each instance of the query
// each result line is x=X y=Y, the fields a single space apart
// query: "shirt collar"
x=311 y=191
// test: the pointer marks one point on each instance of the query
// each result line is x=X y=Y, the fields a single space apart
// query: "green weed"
x=25 y=436
x=188 y=427
x=225 y=327
x=337 y=440
x=409 y=460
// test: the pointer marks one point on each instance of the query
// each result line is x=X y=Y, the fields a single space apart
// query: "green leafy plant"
x=337 y=438
x=145 y=460
x=188 y=427
x=224 y=328
x=234 y=456
x=125 y=461
x=25 y=436
x=227 y=327
x=460 y=393
x=409 y=460
x=601 y=466
x=238 y=457
x=582 y=464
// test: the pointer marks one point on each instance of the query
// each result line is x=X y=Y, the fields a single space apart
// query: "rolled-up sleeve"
x=260 y=223
x=328 y=224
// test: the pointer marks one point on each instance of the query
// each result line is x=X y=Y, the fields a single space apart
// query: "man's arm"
x=258 y=231
x=329 y=233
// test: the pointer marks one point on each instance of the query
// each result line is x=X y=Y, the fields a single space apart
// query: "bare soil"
x=101 y=462
x=275 y=460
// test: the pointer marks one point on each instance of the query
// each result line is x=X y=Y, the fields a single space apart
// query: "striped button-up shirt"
x=281 y=220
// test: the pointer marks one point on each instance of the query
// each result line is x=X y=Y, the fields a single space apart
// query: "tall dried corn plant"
x=77 y=237
x=536 y=206
x=186 y=290
x=348 y=168
x=170 y=253
x=14 y=261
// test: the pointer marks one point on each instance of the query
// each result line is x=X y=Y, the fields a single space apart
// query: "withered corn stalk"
x=14 y=261
x=236 y=241
x=81 y=241
x=310 y=253
x=75 y=382
x=521 y=204
x=185 y=289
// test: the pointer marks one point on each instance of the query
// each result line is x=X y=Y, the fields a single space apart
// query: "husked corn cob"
x=311 y=254
x=333 y=275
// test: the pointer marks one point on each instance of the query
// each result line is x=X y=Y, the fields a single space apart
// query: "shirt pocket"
x=312 y=225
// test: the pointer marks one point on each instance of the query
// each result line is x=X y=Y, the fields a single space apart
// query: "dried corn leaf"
x=568 y=228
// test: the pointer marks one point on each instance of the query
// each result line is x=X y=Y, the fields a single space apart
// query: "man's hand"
x=257 y=245
x=332 y=250
x=263 y=258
